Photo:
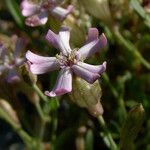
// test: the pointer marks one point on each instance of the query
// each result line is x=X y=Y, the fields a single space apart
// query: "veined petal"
x=41 y=68
x=34 y=58
x=29 y=8
x=61 y=13
x=63 y=84
x=37 y=20
x=64 y=36
x=52 y=38
x=92 y=47
x=93 y=68
x=85 y=74
x=60 y=41
x=92 y=35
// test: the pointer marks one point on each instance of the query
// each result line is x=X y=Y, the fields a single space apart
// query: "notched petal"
x=37 y=20
x=63 y=84
x=34 y=58
x=28 y=8
x=92 y=34
x=87 y=75
x=61 y=13
x=43 y=67
x=93 y=68
x=92 y=47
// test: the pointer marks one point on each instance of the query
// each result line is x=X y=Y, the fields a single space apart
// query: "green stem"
x=24 y=136
x=54 y=129
x=40 y=93
x=116 y=95
x=130 y=47
x=40 y=112
x=108 y=135
x=113 y=90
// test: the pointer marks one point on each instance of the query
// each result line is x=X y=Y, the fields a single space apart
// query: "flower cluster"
x=37 y=14
x=69 y=61
x=11 y=60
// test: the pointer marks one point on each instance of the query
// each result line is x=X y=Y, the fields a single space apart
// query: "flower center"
x=67 y=60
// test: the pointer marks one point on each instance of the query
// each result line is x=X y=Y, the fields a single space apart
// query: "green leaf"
x=139 y=9
x=14 y=9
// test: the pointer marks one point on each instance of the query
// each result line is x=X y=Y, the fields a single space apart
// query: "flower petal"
x=64 y=36
x=92 y=47
x=63 y=83
x=37 y=20
x=29 y=8
x=93 y=68
x=33 y=58
x=61 y=13
x=41 y=68
x=52 y=38
x=85 y=74
x=92 y=35
x=60 y=40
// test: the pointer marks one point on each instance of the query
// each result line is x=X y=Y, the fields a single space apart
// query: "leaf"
x=139 y=9
x=14 y=9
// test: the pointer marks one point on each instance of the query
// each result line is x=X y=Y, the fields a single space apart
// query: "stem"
x=108 y=135
x=54 y=129
x=40 y=93
x=130 y=47
x=17 y=127
x=116 y=94
x=40 y=112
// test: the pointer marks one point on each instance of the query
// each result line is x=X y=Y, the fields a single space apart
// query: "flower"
x=10 y=60
x=37 y=14
x=70 y=61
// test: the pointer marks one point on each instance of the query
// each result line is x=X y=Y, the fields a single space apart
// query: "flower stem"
x=130 y=47
x=40 y=93
x=108 y=135
x=29 y=141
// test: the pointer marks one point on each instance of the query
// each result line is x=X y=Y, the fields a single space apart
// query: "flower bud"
x=8 y=113
x=87 y=95
x=28 y=77
x=77 y=34
x=99 y=9
x=132 y=126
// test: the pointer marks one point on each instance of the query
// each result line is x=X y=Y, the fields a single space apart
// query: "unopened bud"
x=132 y=126
x=28 y=77
x=99 y=9
x=96 y=110
x=87 y=95
x=77 y=34
x=6 y=108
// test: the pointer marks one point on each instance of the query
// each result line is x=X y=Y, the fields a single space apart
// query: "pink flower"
x=37 y=14
x=11 y=60
x=69 y=61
